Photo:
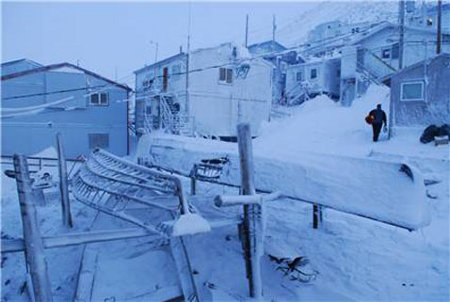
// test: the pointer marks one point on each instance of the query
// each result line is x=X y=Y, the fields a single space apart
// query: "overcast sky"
x=115 y=38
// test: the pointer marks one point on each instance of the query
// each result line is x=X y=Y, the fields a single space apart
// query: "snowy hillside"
x=296 y=31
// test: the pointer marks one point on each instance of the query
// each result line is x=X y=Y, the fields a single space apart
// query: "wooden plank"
x=34 y=249
x=251 y=242
x=184 y=269
x=86 y=276
x=18 y=245
x=63 y=183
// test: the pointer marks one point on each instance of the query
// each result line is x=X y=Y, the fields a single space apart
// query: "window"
x=386 y=53
x=412 y=91
x=226 y=75
x=99 y=99
x=299 y=76
x=98 y=140
x=313 y=73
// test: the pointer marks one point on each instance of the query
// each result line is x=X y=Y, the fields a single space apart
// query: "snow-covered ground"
x=352 y=258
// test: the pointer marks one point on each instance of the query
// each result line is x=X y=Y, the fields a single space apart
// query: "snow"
x=49 y=152
x=356 y=259
x=189 y=224
x=332 y=162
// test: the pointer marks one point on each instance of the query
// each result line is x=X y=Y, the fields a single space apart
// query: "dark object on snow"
x=444 y=130
x=407 y=170
x=292 y=268
x=428 y=134
x=299 y=261
x=277 y=260
x=209 y=168
x=216 y=161
x=10 y=173
x=432 y=131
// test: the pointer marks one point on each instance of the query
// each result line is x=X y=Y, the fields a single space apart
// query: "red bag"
x=369 y=119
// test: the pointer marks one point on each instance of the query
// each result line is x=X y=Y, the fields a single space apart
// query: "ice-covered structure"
x=369 y=54
x=38 y=101
x=226 y=86
x=281 y=58
x=420 y=94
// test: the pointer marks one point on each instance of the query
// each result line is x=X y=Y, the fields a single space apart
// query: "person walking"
x=377 y=117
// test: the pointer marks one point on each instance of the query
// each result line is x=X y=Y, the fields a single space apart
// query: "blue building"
x=38 y=101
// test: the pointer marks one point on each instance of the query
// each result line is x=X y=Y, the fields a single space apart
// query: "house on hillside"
x=426 y=16
x=281 y=58
x=371 y=55
x=420 y=94
x=333 y=29
x=226 y=87
x=39 y=101
x=306 y=80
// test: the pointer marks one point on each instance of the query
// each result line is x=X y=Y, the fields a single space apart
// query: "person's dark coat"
x=379 y=118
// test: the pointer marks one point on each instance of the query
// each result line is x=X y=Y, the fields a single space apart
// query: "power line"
x=49 y=93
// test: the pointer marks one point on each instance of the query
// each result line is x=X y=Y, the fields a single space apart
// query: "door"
x=165 y=78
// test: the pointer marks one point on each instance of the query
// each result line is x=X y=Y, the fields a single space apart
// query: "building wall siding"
x=29 y=134
x=436 y=108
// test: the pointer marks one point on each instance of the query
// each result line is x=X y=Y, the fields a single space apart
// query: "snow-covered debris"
x=190 y=224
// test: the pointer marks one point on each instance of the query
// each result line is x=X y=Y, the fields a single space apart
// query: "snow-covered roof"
x=59 y=66
x=31 y=62
x=408 y=69
x=273 y=45
x=162 y=62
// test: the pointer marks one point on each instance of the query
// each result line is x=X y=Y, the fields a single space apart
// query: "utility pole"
x=402 y=33
x=274 y=28
x=186 y=109
x=156 y=50
x=439 y=27
x=246 y=31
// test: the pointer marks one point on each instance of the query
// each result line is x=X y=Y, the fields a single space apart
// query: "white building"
x=319 y=76
x=226 y=87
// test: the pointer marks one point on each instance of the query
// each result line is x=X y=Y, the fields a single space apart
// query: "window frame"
x=315 y=69
x=387 y=51
x=422 y=83
x=99 y=98
x=92 y=139
x=228 y=76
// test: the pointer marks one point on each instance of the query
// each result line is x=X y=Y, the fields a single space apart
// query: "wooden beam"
x=34 y=249
x=252 y=213
x=63 y=183
x=18 y=245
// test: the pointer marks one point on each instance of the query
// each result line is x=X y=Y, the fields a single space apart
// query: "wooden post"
x=193 y=181
x=63 y=183
x=252 y=226
x=317 y=216
x=34 y=248
x=439 y=28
